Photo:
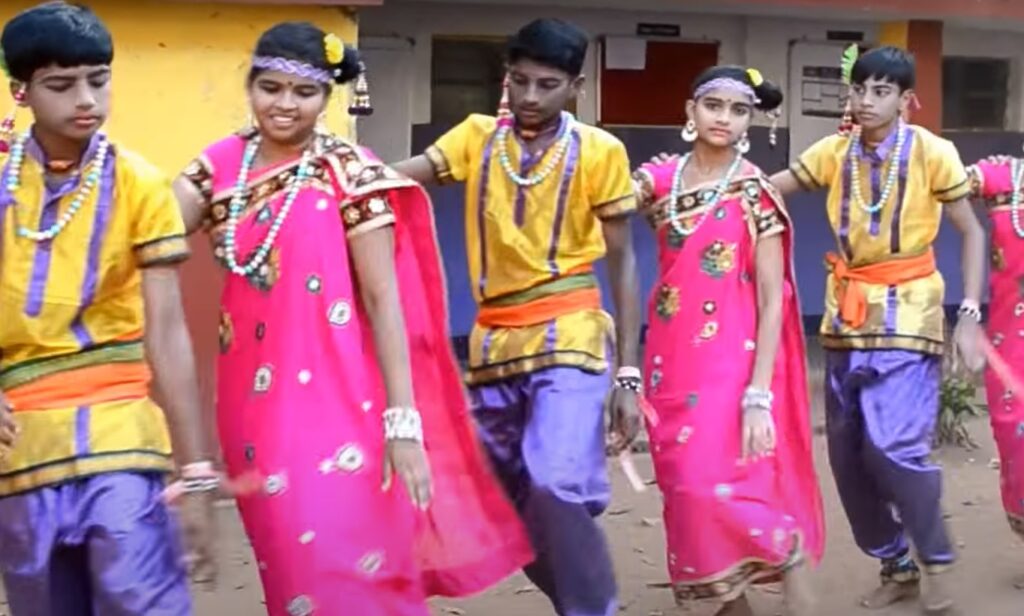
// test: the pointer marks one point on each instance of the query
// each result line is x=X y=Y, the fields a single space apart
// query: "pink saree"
x=300 y=398
x=993 y=183
x=728 y=524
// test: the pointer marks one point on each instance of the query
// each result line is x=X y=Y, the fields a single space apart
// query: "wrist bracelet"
x=757 y=399
x=403 y=423
x=629 y=372
x=970 y=308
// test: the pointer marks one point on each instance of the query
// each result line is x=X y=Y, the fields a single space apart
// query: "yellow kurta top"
x=906 y=316
x=73 y=321
x=519 y=239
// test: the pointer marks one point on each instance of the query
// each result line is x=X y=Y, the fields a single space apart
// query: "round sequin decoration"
x=371 y=563
x=684 y=434
x=723 y=491
x=710 y=307
x=1018 y=310
x=300 y=606
x=263 y=380
x=692 y=400
x=264 y=215
x=720 y=213
x=275 y=484
x=340 y=313
x=305 y=376
x=250 y=453
x=322 y=204
x=314 y=284
x=367 y=406
x=749 y=345
x=349 y=458
x=307 y=537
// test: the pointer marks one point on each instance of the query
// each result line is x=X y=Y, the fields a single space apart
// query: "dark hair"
x=304 y=42
x=551 y=42
x=769 y=95
x=888 y=63
x=67 y=35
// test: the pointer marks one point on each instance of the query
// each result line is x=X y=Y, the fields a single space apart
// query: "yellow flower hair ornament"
x=334 y=49
x=756 y=79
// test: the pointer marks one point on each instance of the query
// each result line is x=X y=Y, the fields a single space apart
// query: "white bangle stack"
x=757 y=399
x=630 y=378
x=970 y=308
x=403 y=423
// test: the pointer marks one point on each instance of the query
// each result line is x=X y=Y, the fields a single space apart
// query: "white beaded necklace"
x=1017 y=175
x=237 y=206
x=561 y=147
x=892 y=178
x=677 y=193
x=89 y=182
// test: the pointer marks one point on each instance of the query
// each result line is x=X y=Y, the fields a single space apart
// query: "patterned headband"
x=292 y=67
x=729 y=84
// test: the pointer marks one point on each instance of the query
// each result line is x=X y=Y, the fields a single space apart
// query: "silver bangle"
x=757 y=399
x=970 y=309
x=402 y=423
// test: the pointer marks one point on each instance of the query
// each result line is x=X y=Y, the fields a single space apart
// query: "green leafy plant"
x=958 y=402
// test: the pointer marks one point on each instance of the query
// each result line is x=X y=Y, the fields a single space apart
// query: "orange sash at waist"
x=853 y=303
x=539 y=310
x=82 y=387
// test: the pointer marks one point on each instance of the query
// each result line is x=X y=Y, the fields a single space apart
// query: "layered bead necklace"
x=502 y=138
x=892 y=178
x=677 y=193
x=89 y=183
x=238 y=202
x=1017 y=175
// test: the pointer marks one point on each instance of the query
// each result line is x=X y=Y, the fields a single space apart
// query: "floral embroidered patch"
x=667 y=303
x=709 y=331
x=998 y=257
x=226 y=332
x=267 y=275
x=718 y=259
x=300 y=606
x=340 y=313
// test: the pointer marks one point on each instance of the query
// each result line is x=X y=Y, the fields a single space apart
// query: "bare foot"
x=739 y=607
x=937 y=598
x=889 y=593
x=797 y=589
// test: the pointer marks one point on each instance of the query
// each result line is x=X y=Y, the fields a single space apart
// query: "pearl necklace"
x=677 y=192
x=238 y=203
x=1017 y=175
x=561 y=147
x=855 y=153
x=90 y=181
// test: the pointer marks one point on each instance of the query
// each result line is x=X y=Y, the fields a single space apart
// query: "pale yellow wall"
x=179 y=69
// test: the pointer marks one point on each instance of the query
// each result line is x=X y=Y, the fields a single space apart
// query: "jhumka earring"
x=743 y=145
x=361 y=95
x=7 y=125
x=773 y=136
x=689 y=134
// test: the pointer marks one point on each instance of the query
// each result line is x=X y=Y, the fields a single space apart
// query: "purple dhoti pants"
x=881 y=407
x=544 y=433
x=100 y=546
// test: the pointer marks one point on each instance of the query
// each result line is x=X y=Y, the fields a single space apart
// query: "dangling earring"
x=504 y=106
x=361 y=95
x=743 y=145
x=7 y=125
x=689 y=134
x=773 y=137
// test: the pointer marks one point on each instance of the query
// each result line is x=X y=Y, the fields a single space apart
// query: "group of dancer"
x=366 y=477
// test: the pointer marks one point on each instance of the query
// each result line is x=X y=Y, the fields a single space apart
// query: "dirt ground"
x=990 y=555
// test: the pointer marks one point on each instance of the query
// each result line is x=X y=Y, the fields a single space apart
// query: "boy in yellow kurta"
x=546 y=197
x=889 y=184
x=91 y=237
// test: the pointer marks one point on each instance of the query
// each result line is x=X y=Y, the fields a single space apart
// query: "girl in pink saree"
x=725 y=355
x=999 y=184
x=334 y=291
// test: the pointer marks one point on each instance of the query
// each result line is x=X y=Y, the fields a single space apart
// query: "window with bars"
x=974 y=93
